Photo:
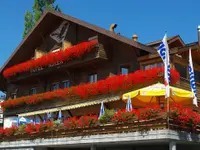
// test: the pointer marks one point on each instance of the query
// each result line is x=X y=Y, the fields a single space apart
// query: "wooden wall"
x=118 y=54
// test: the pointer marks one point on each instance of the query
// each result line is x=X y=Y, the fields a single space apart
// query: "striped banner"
x=163 y=51
x=192 y=78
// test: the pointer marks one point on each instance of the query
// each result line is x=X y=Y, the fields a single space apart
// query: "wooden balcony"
x=98 y=55
x=60 y=131
x=185 y=84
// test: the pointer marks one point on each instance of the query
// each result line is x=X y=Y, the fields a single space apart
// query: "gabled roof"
x=46 y=24
x=169 y=40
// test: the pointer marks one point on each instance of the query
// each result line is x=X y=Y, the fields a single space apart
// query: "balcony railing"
x=79 y=55
x=146 y=119
x=88 y=92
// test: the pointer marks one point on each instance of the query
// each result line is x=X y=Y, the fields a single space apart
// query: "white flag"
x=192 y=79
x=129 y=107
x=163 y=51
x=102 y=110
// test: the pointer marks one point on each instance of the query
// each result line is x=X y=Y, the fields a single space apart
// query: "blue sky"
x=149 y=19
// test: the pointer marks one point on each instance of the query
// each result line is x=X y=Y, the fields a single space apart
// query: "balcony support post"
x=172 y=145
x=93 y=147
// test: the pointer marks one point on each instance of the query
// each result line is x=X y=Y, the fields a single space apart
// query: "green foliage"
x=38 y=9
x=108 y=115
x=21 y=129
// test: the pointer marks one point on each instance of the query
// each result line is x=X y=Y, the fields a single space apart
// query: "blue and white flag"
x=129 y=104
x=45 y=118
x=59 y=114
x=163 y=51
x=192 y=79
x=49 y=115
x=102 y=110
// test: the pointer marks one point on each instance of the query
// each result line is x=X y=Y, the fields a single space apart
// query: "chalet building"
x=64 y=65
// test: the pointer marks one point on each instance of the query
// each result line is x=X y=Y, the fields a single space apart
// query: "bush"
x=107 y=117
x=21 y=129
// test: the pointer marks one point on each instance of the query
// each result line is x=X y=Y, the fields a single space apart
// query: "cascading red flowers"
x=110 y=84
x=71 y=123
x=82 y=122
x=184 y=116
x=150 y=112
x=32 y=128
x=124 y=116
x=10 y=131
x=52 y=58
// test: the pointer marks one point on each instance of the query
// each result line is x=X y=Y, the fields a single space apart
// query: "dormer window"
x=125 y=69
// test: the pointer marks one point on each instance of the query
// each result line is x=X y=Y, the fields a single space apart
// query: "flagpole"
x=163 y=51
x=168 y=112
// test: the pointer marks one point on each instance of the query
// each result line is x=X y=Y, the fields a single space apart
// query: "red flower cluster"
x=124 y=116
x=32 y=128
x=150 y=112
x=9 y=131
x=71 y=123
x=51 y=58
x=1 y=132
x=37 y=128
x=110 y=84
x=185 y=116
x=82 y=122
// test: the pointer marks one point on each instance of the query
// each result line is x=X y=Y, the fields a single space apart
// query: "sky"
x=149 y=19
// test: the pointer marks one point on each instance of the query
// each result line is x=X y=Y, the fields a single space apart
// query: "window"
x=13 y=95
x=182 y=70
x=32 y=91
x=93 y=78
x=66 y=84
x=55 y=86
x=125 y=69
x=153 y=66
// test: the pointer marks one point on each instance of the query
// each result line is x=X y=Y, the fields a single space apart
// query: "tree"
x=39 y=7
